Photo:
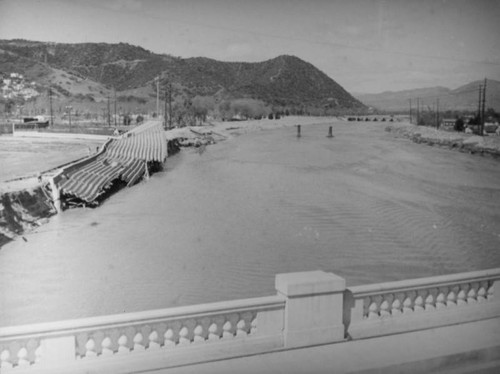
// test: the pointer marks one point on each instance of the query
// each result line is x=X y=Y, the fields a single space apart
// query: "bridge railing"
x=394 y=307
x=249 y=325
x=310 y=308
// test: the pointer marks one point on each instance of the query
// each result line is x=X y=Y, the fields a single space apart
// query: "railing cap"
x=308 y=283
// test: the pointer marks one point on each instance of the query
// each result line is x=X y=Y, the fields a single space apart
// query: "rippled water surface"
x=220 y=225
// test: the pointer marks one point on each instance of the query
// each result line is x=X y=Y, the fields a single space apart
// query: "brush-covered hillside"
x=92 y=72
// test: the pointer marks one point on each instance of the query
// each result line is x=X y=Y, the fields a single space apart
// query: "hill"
x=462 y=98
x=91 y=71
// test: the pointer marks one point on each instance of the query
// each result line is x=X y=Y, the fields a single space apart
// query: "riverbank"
x=468 y=143
x=220 y=225
x=19 y=195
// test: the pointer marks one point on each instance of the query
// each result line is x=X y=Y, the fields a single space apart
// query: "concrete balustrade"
x=250 y=325
x=310 y=308
x=394 y=307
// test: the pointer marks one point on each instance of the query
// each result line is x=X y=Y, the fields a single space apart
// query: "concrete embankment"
x=488 y=146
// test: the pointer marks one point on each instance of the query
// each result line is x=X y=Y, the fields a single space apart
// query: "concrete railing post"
x=314 y=307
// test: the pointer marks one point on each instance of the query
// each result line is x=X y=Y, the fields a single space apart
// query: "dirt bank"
x=24 y=205
x=487 y=145
x=23 y=211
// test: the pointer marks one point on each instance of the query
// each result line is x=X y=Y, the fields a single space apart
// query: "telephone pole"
x=418 y=111
x=165 y=109
x=114 y=89
x=169 y=105
x=437 y=113
x=479 y=108
x=482 y=108
x=109 y=112
x=157 y=95
x=410 y=110
x=50 y=103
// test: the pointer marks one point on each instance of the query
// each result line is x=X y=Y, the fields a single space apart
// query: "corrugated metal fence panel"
x=124 y=158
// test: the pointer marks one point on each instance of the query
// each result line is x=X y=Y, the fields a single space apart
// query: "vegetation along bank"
x=469 y=143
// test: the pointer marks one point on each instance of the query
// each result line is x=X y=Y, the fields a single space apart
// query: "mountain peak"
x=285 y=80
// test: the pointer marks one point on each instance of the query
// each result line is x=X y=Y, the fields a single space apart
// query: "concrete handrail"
x=436 y=281
x=395 y=307
x=149 y=316
x=59 y=344
x=310 y=308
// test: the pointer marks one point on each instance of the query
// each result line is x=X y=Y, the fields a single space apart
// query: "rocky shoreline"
x=468 y=143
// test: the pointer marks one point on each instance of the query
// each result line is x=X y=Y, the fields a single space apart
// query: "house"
x=448 y=123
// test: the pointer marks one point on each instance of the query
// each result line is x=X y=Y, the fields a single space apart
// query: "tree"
x=201 y=105
x=459 y=125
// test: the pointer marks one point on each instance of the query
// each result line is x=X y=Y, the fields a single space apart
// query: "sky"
x=366 y=46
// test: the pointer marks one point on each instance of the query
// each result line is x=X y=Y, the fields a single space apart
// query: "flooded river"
x=219 y=225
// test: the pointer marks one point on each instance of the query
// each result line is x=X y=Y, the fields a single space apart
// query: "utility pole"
x=169 y=105
x=109 y=112
x=479 y=108
x=437 y=113
x=410 y=110
x=50 y=103
x=68 y=108
x=157 y=95
x=418 y=111
x=482 y=108
x=115 y=105
x=165 y=109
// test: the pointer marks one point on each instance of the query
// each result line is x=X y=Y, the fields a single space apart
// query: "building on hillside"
x=448 y=124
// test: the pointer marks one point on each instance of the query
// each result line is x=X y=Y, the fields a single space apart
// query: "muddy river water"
x=219 y=225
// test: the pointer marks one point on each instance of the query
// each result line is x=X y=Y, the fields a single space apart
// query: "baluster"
x=397 y=304
x=491 y=291
x=482 y=291
x=186 y=333
x=201 y=330
x=106 y=347
x=430 y=300
x=90 y=351
x=408 y=302
x=366 y=306
x=122 y=345
x=244 y=324
x=374 y=307
x=451 y=299
x=253 y=325
x=32 y=346
x=138 y=342
x=386 y=305
x=5 y=360
x=184 y=336
x=227 y=330
x=441 y=297
x=462 y=294
x=38 y=354
x=98 y=337
x=198 y=334
x=215 y=329
x=22 y=357
x=81 y=341
x=419 y=303
x=153 y=341
x=169 y=339
x=229 y=327
x=472 y=294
